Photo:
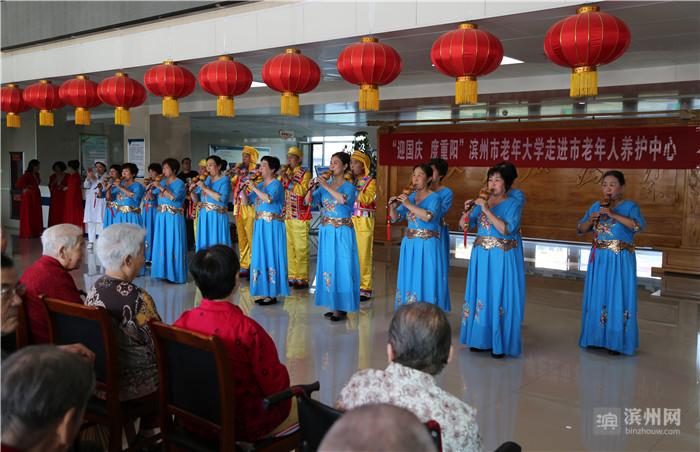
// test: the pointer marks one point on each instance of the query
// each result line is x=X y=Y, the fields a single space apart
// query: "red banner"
x=674 y=147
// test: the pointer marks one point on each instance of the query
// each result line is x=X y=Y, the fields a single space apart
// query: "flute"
x=407 y=190
x=484 y=194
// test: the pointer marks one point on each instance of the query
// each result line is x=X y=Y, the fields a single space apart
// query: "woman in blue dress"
x=110 y=192
x=268 y=263
x=150 y=204
x=169 y=233
x=492 y=312
x=421 y=264
x=214 y=194
x=609 y=317
x=440 y=167
x=337 y=265
x=129 y=195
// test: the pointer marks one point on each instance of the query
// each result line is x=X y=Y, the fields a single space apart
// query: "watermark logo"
x=636 y=421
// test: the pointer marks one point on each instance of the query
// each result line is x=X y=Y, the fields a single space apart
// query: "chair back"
x=315 y=419
x=22 y=333
x=195 y=381
x=71 y=323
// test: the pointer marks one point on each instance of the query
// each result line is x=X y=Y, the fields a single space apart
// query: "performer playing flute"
x=109 y=192
x=420 y=265
x=212 y=218
x=150 y=205
x=268 y=266
x=297 y=215
x=337 y=265
x=245 y=215
x=440 y=167
x=492 y=311
x=609 y=317
x=363 y=217
x=94 y=202
x=129 y=196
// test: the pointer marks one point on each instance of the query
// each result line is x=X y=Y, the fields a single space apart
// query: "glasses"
x=8 y=291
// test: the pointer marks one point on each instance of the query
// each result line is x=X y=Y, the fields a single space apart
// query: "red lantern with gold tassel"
x=225 y=79
x=583 y=42
x=11 y=102
x=80 y=93
x=466 y=53
x=291 y=73
x=171 y=82
x=123 y=93
x=370 y=65
x=44 y=97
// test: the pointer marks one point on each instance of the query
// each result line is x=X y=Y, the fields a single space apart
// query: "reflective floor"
x=554 y=397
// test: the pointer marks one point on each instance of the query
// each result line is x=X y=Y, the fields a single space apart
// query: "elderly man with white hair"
x=120 y=249
x=62 y=252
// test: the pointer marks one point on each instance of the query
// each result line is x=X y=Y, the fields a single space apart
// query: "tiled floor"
x=545 y=400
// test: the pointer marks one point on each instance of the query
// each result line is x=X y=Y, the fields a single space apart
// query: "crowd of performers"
x=272 y=206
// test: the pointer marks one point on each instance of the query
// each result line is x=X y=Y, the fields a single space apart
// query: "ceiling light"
x=257 y=84
x=509 y=60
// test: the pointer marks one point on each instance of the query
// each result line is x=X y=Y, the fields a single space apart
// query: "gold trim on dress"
x=128 y=209
x=488 y=242
x=268 y=216
x=424 y=234
x=210 y=207
x=336 y=222
x=170 y=209
x=613 y=245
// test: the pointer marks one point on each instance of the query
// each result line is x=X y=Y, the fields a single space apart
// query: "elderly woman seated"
x=120 y=250
x=49 y=275
x=420 y=346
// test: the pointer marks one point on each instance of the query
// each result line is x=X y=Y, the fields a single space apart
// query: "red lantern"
x=44 y=97
x=466 y=53
x=11 y=102
x=170 y=82
x=80 y=93
x=370 y=65
x=123 y=93
x=225 y=78
x=291 y=73
x=583 y=42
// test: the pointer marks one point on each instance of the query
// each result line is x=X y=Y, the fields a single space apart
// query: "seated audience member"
x=120 y=250
x=256 y=368
x=419 y=348
x=380 y=427
x=11 y=300
x=49 y=275
x=44 y=393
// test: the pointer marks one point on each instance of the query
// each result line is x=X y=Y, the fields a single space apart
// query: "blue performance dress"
x=337 y=264
x=268 y=263
x=212 y=218
x=110 y=207
x=519 y=196
x=169 y=234
x=148 y=218
x=421 y=263
x=128 y=208
x=445 y=195
x=492 y=312
x=609 y=317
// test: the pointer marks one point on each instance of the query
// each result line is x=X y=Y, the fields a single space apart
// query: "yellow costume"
x=245 y=215
x=297 y=217
x=363 y=221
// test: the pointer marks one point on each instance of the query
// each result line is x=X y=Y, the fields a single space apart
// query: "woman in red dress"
x=31 y=221
x=57 y=187
x=74 y=195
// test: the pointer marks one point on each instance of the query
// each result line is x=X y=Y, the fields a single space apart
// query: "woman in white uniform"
x=94 y=205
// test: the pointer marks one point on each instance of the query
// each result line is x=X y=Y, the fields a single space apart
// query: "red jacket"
x=46 y=277
x=257 y=371
x=31 y=221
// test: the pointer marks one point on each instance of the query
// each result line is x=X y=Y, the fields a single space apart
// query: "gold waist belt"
x=487 y=242
x=210 y=207
x=111 y=204
x=268 y=216
x=170 y=209
x=613 y=245
x=128 y=209
x=336 y=222
x=424 y=234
